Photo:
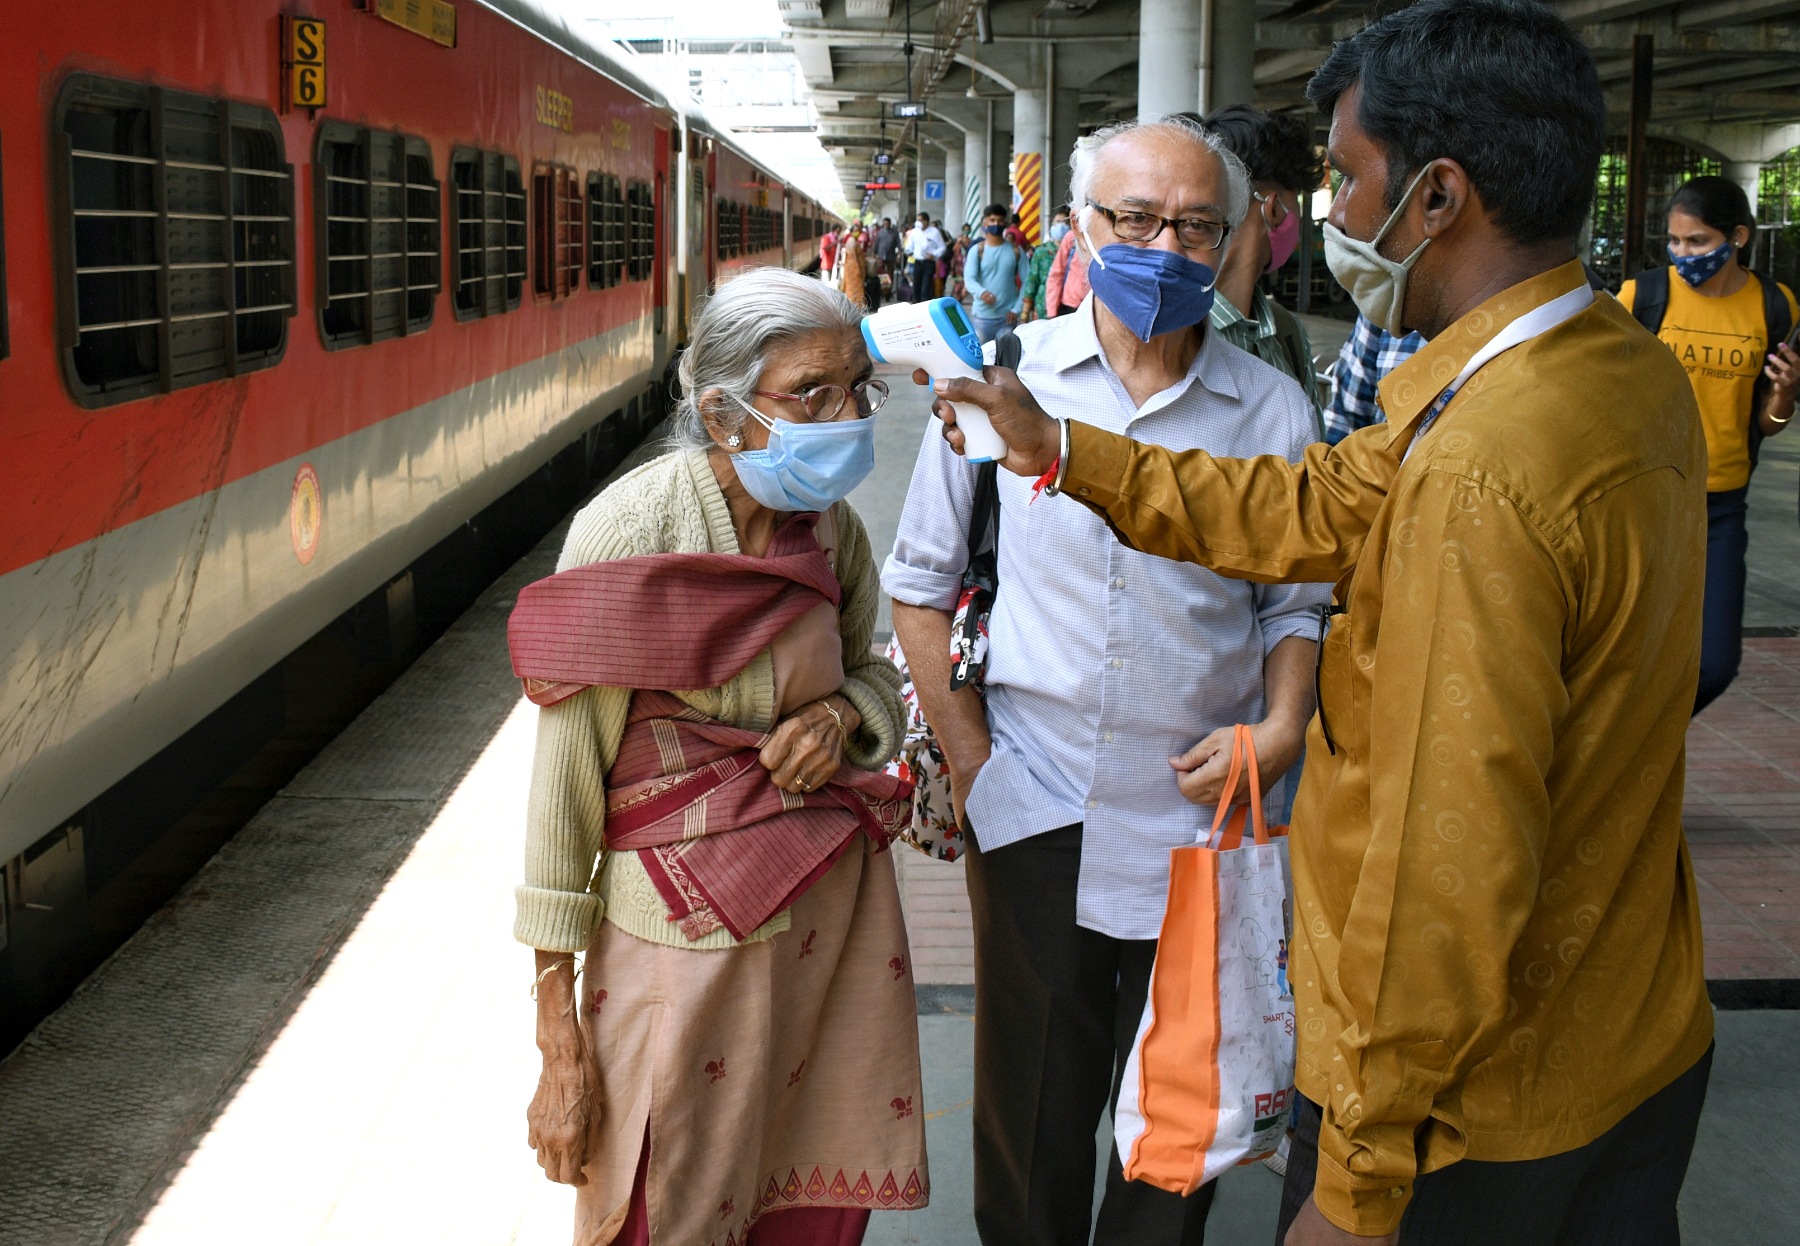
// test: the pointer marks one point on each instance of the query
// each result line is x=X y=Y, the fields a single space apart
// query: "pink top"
x=1068 y=283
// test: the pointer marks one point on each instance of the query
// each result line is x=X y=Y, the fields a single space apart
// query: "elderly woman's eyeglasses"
x=823 y=403
x=1196 y=233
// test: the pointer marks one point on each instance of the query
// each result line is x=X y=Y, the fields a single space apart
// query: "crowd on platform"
x=1314 y=752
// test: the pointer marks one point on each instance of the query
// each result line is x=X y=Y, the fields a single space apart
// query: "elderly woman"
x=707 y=818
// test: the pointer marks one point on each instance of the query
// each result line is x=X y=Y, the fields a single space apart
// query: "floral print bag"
x=933 y=829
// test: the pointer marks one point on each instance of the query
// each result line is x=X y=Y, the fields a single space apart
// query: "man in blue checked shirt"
x=1368 y=354
x=1113 y=682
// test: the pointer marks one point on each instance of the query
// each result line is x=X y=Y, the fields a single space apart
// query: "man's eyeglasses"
x=824 y=403
x=1196 y=233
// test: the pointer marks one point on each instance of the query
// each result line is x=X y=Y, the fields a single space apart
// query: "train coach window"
x=606 y=231
x=177 y=235
x=490 y=232
x=643 y=229
x=731 y=230
x=380 y=266
x=560 y=246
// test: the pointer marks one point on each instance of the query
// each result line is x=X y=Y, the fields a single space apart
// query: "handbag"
x=933 y=829
x=1210 y=1077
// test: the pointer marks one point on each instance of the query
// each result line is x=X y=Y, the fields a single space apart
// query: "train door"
x=710 y=188
x=787 y=229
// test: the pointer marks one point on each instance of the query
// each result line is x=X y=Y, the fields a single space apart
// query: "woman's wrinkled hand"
x=564 y=1116
x=806 y=749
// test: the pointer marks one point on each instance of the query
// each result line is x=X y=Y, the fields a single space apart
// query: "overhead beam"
x=1298 y=63
x=1689 y=39
x=1727 y=12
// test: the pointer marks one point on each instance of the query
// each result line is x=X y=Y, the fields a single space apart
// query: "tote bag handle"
x=1228 y=824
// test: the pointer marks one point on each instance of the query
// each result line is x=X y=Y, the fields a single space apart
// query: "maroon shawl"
x=723 y=845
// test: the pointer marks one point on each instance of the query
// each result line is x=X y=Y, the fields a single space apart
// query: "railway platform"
x=326 y=1037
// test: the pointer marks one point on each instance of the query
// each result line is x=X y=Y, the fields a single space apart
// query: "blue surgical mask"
x=993 y=231
x=1059 y=231
x=1150 y=290
x=806 y=467
x=1697 y=270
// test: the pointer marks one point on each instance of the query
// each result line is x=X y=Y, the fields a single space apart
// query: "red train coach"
x=289 y=292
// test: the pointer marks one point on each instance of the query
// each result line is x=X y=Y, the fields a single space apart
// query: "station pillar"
x=1065 y=123
x=1231 y=75
x=975 y=176
x=955 y=188
x=1031 y=142
x=1169 y=45
x=1748 y=174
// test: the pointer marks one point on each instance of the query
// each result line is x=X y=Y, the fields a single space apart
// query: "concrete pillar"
x=976 y=175
x=1748 y=174
x=1031 y=133
x=1231 y=78
x=999 y=187
x=1065 y=121
x=954 y=204
x=931 y=168
x=1169 y=39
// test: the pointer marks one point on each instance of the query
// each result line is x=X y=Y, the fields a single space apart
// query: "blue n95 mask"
x=1697 y=270
x=806 y=467
x=1150 y=290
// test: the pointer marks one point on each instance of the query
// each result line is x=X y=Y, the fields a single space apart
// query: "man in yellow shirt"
x=1504 y=1030
x=1725 y=326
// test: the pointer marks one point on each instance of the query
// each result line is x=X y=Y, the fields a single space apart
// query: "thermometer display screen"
x=956 y=320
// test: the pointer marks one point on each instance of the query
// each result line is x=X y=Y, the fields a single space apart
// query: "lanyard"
x=1538 y=320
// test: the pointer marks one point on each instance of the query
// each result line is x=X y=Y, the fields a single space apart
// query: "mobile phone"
x=1793 y=338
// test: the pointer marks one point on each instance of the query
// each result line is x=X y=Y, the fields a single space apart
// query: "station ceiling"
x=1717 y=62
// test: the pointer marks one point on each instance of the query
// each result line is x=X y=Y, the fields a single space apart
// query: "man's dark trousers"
x=1618 y=1190
x=924 y=279
x=1056 y=1012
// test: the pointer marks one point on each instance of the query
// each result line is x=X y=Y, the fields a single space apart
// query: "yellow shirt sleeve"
x=1628 y=293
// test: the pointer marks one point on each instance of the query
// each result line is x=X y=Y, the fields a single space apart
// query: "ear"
x=1740 y=237
x=1447 y=195
x=717 y=411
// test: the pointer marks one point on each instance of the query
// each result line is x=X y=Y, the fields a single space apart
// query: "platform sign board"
x=881 y=185
x=306 y=63
x=909 y=108
x=934 y=188
x=882 y=157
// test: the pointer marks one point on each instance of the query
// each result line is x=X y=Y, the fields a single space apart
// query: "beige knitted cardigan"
x=670 y=505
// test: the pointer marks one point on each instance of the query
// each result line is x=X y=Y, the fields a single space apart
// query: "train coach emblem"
x=306 y=513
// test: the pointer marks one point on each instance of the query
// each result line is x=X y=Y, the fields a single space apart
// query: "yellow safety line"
x=954 y=1107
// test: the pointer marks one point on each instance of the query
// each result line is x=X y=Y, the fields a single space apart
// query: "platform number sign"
x=306 y=62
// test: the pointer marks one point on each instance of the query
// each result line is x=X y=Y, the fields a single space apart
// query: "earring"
x=734 y=441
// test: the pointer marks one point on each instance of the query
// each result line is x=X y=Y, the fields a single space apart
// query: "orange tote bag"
x=1210 y=1077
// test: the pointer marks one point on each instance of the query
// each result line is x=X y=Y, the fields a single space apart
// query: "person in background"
x=993 y=270
x=1113 y=685
x=1015 y=232
x=853 y=266
x=1066 y=285
x=959 y=251
x=828 y=248
x=923 y=247
x=1367 y=355
x=943 y=264
x=1497 y=959
x=1284 y=171
x=1036 y=301
x=887 y=247
x=1726 y=325
x=728 y=1037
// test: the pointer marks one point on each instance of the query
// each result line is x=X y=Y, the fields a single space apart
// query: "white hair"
x=739 y=324
x=1086 y=158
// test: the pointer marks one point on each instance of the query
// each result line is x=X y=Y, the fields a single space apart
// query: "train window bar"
x=561 y=244
x=175 y=225
x=606 y=231
x=377 y=217
x=642 y=251
x=490 y=232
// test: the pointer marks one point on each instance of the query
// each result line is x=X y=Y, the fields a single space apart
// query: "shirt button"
x=1092 y=803
x=1107 y=736
x=1119 y=581
x=1396 y=1192
x=1116 y=663
x=1084 y=491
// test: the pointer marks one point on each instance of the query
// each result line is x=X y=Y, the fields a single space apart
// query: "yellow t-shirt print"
x=1722 y=343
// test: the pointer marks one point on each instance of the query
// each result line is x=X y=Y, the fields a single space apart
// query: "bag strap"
x=1228 y=828
x=1651 y=300
x=1776 y=324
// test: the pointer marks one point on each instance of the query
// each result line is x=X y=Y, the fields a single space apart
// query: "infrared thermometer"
x=934 y=335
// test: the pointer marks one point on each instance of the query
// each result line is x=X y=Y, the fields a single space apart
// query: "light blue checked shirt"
x=1105 y=662
x=1368 y=354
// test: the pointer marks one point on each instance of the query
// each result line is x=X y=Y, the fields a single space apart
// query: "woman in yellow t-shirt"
x=1716 y=326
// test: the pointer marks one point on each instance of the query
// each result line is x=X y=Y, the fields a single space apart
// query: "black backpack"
x=1652 y=301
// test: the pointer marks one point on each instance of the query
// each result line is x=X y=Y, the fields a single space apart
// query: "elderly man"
x=1114 y=682
x=924 y=244
x=1504 y=1029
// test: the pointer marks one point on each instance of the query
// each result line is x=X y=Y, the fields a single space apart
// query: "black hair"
x=1275 y=147
x=1502 y=87
x=1718 y=201
x=994 y=209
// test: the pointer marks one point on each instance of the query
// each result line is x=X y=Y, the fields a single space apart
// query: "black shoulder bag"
x=981 y=581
